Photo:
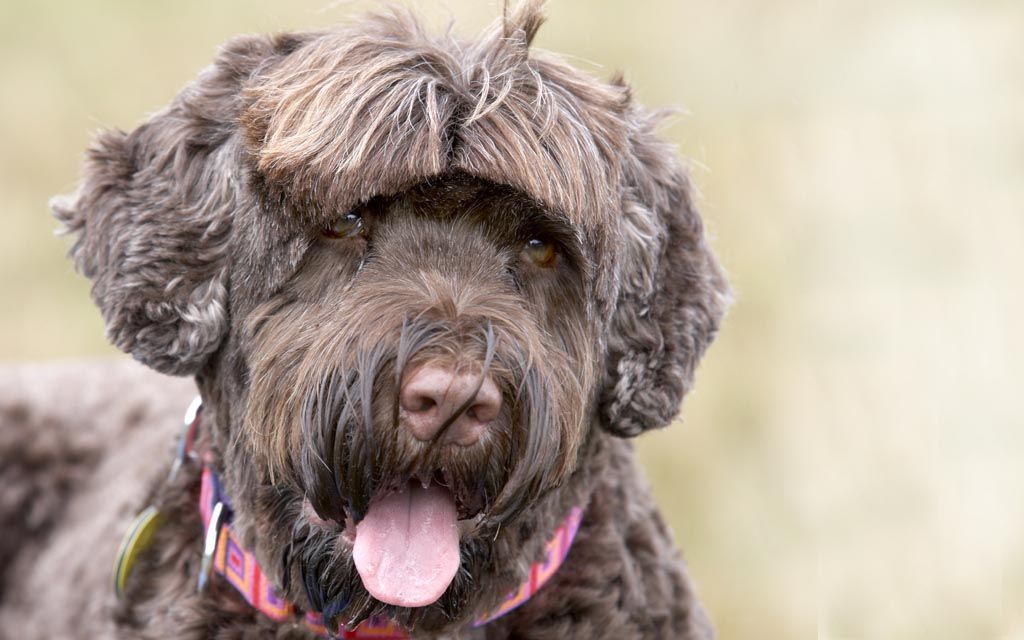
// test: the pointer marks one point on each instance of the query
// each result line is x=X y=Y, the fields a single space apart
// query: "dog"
x=428 y=291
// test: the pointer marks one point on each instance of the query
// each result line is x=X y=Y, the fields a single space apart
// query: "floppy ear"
x=672 y=293
x=153 y=218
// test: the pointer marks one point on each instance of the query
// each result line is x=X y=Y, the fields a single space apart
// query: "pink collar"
x=224 y=551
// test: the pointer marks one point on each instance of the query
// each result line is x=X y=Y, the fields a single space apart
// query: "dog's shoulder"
x=81 y=444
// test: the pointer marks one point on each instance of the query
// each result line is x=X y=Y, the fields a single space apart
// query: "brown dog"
x=428 y=289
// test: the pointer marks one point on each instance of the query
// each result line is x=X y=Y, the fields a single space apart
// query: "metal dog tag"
x=138 y=538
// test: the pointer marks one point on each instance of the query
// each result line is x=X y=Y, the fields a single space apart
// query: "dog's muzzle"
x=407 y=546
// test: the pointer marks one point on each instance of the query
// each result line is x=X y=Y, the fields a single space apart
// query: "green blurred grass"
x=850 y=463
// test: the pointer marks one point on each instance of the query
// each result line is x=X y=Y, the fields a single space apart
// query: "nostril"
x=425 y=388
x=421 y=404
x=483 y=411
x=487 y=404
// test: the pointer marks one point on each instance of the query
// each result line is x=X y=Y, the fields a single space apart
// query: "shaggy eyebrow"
x=546 y=220
x=513 y=210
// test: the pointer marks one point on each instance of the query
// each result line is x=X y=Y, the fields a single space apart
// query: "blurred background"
x=851 y=464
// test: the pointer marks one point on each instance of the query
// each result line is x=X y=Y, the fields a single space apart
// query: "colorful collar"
x=224 y=554
x=239 y=567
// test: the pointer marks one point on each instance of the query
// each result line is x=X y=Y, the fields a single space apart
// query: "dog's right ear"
x=153 y=217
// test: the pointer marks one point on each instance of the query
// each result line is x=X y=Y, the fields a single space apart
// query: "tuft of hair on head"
x=524 y=21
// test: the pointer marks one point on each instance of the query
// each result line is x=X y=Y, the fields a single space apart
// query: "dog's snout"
x=432 y=394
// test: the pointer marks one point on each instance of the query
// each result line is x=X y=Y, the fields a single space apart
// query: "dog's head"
x=412 y=276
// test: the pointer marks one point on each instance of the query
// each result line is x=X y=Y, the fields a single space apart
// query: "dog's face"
x=441 y=334
x=414 y=279
x=432 y=352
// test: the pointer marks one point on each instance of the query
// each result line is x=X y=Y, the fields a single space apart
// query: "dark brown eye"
x=540 y=252
x=349 y=225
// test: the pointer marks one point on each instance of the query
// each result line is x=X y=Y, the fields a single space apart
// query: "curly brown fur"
x=81 y=444
x=203 y=232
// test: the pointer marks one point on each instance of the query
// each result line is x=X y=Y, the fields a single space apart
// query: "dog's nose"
x=431 y=394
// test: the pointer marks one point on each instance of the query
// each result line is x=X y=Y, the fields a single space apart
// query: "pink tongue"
x=407 y=546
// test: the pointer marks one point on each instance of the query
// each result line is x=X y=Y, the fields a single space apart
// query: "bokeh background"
x=851 y=464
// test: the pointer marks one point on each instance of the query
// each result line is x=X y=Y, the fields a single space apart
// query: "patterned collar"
x=239 y=567
x=224 y=554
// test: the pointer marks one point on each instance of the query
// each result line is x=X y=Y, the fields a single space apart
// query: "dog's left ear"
x=153 y=218
x=672 y=295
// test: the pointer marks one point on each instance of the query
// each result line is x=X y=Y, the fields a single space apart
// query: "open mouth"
x=406 y=546
x=469 y=500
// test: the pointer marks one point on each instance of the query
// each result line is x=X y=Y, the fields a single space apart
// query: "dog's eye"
x=346 y=226
x=540 y=252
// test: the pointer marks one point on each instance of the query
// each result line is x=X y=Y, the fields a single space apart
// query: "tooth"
x=424 y=479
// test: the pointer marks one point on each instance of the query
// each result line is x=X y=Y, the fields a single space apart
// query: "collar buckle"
x=210 y=544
